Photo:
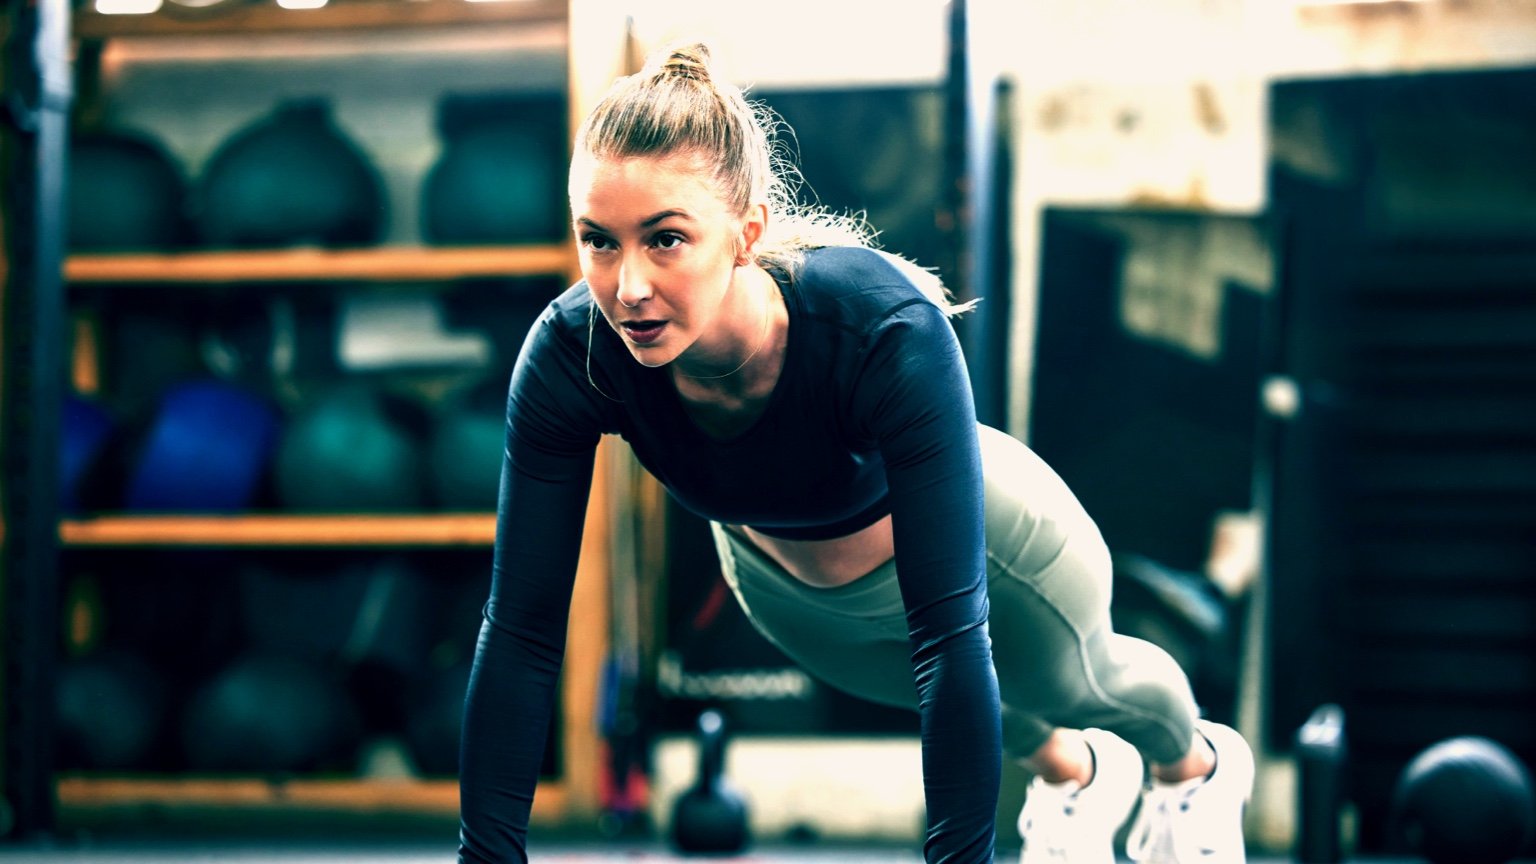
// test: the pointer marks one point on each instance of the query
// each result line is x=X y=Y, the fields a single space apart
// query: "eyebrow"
x=648 y=222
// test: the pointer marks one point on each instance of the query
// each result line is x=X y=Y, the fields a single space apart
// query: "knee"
x=1147 y=678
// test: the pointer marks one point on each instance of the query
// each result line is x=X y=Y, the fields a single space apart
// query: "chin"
x=650 y=357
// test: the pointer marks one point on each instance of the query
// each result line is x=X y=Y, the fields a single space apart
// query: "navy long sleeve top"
x=872 y=415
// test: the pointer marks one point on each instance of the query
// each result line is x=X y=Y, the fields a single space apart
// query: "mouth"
x=643 y=332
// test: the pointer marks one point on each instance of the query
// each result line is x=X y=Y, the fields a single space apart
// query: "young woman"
x=807 y=395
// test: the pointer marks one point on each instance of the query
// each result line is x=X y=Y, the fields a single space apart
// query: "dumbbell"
x=710 y=818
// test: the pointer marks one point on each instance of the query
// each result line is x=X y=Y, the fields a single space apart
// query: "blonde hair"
x=675 y=106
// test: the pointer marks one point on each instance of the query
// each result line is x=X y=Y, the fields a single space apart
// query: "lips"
x=643 y=332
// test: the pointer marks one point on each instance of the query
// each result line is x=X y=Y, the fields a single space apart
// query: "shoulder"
x=855 y=269
x=566 y=326
x=556 y=386
x=861 y=289
x=568 y=315
x=558 y=340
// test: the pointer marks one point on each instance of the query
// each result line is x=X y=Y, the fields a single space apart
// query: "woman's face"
x=658 y=247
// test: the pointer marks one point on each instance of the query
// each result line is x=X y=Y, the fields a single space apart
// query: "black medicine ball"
x=1465 y=800
x=126 y=193
x=292 y=178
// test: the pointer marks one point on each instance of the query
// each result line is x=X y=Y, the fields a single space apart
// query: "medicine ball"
x=434 y=715
x=208 y=449
x=300 y=606
x=363 y=616
x=1465 y=800
x=111 y=706
x=500 y=177
x=266 y=713
x=125 y=193
x=291 y=178
x=345 y=453
x=465 y=457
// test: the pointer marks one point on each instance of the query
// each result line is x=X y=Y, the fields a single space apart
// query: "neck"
x=759 y=306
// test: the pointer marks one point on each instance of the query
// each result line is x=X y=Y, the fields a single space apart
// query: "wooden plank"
x=337 y=16
x=384 y=264
x=281 y=530
x=249 y=793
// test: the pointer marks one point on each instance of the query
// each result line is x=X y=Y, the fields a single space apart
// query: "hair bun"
x=684 y=61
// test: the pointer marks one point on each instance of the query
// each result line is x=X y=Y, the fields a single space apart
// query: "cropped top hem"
x=832 y=530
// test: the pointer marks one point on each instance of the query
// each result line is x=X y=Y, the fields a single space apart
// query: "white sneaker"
x=1199 y=820
x=1062 y=822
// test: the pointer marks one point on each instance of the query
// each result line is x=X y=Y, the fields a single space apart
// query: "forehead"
x=609 y=183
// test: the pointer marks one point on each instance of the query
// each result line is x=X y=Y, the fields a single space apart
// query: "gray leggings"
x=1058 y=661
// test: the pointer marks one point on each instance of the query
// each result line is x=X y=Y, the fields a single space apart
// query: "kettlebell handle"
x=711 y=748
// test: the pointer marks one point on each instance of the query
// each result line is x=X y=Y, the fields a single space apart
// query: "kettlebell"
x=710 y=818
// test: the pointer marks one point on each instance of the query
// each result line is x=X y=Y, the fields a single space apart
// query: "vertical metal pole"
x=970 y=214
x=954 y=215
x=38 y=92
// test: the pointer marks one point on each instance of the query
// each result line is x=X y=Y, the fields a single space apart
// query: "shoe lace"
x=1044 y=827
x=1152 y=836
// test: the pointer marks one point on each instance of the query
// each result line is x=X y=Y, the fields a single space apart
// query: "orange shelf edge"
x=427 y=797
x=446 y=529
x=398 y=263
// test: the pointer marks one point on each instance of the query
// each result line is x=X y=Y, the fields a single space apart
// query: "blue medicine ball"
x=207 y=450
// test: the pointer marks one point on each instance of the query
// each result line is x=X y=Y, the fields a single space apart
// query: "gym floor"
x=310 y=852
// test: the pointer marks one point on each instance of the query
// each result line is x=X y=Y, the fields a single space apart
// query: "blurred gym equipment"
x=1322 y=758
x=126 y=193
x=111 y=708
x=492 y=183
x=208 y=449
x=344 y=452
x=711 y=817
x=291 y=178
x=1465 y=800
x=270 y=714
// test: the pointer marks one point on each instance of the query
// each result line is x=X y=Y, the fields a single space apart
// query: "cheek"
x=599 y=281
x=605 y=302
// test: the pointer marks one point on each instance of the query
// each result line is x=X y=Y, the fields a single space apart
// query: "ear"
x=754 y=225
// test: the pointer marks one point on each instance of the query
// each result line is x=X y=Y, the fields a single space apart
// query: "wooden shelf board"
x=339 y=15
x=278 y=530
x=310 y=264
x=252 y=793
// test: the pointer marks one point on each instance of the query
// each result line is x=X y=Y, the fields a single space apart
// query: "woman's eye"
x=597 y=242
x=668 y=241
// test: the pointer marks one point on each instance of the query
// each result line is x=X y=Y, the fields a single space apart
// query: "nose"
x=634 y=284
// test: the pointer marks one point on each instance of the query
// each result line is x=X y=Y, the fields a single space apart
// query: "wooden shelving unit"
x=595 y=52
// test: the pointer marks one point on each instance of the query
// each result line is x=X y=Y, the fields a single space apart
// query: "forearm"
x=962 y=747
x=506 y=722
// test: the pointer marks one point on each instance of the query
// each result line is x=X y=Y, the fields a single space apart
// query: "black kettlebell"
x=710 y=818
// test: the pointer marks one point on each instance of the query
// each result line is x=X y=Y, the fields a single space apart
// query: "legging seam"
x=1104 y=696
